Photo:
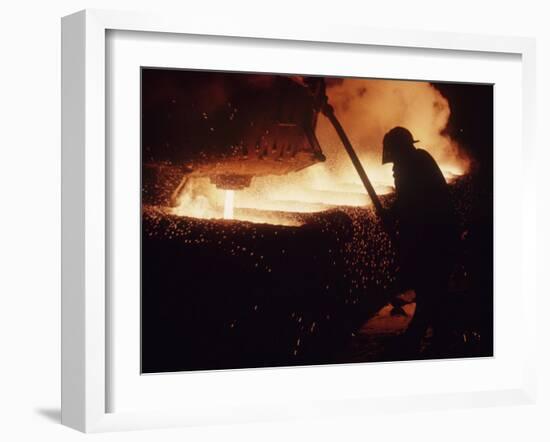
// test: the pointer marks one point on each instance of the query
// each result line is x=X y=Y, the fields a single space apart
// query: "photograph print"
x=291 y=220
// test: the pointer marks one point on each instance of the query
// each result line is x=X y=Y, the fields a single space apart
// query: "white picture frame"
x=85 y=306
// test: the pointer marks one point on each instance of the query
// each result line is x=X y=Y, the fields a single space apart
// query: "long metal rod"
x=329 y=112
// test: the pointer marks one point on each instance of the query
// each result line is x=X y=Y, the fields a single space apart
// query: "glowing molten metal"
x=228 y=206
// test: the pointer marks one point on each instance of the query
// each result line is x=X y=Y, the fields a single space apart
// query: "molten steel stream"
x=228 y=205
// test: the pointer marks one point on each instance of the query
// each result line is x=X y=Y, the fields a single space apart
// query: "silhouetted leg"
x=442 y=333
x=441 y=316
x=412 y=337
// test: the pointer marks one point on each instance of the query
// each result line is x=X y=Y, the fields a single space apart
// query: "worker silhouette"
x=426 y=234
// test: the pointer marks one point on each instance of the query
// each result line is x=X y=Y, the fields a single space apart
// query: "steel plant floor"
x=230 y=294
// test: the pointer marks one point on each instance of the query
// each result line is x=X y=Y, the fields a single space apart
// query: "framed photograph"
x=262 y=222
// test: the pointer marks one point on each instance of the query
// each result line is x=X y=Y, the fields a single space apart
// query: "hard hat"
x=396 y=141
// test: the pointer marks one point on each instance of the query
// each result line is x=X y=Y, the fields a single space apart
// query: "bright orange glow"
x=367 y=109
x=228 y=206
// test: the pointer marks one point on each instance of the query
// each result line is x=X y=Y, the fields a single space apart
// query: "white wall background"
x=30 y=216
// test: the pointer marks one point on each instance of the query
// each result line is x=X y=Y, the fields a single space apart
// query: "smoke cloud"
x=367 y=109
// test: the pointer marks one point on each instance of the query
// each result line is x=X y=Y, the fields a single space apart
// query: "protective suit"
x=427 y=231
